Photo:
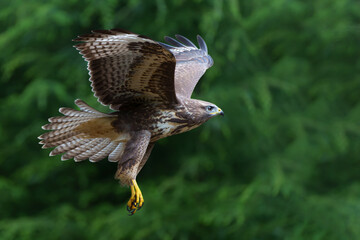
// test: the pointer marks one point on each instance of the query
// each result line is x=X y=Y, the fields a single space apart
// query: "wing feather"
x=127 y=68
x=174 y=42
x=202 y=43
x=191 y=63
x=185 y=41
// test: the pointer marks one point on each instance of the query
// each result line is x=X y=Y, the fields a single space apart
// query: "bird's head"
x=203 y=110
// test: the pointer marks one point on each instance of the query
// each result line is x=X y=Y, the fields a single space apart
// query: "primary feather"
x=191 y=63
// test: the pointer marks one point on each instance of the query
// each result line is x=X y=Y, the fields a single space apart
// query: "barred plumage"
x=116 y=153
x=94 y=150
x=103 y=153
x=70 y=144
x=81 y=147
x=87 y=149
x=69 y=138
x=148 y=84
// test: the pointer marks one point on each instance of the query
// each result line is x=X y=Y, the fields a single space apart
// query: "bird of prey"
x=148 y=84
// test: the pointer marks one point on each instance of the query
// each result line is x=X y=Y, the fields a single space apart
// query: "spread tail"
x=83 y=134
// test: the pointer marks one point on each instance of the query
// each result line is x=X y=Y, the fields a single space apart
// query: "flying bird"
x=148 y=85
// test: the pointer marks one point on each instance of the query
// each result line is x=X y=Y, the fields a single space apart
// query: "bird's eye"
x=210 y=108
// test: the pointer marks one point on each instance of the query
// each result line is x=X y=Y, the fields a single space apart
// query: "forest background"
x=282 y=164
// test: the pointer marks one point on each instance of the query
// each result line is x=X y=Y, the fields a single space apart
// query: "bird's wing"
x=191 y=63
x=127 y=68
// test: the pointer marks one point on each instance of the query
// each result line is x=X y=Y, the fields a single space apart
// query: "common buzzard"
x=148 y=84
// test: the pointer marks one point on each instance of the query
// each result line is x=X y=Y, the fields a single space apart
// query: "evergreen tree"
x=282 y=164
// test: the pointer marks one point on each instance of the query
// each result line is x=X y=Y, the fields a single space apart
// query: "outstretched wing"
x=127 y=68
x=191 y=63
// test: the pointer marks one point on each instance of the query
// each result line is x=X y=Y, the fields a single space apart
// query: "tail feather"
x=83 y=134
x=59 y=138
x=103 y=153
x=99 y=145
x=74 y=113
x=64 y=119
x=86 y=108
x=58 y=143
x=55 y=126
x=57 y=133
x=67 y=146
x=118 y=151
x=82 y=147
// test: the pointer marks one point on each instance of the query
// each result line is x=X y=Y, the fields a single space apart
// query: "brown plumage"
x=149 y=85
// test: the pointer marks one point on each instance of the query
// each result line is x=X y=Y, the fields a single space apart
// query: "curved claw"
x=136 y=200
x=131 y=211
x=140 y=206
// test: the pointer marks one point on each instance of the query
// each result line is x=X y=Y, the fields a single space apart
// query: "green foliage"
x=282 y=164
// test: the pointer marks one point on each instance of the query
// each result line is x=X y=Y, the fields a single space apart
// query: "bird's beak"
x=221 y=112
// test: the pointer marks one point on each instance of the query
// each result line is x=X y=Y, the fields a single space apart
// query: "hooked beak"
x=221 y=112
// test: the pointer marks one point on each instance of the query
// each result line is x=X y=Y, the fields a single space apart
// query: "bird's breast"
x=170 y=123
x=162 y=127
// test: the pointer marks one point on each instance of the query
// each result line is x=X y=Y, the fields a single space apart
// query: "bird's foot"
x=136 y=200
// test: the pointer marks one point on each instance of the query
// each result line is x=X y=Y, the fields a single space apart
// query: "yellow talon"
x=132 y=198
x=136 y=200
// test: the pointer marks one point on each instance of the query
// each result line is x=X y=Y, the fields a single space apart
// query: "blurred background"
x=282 y=164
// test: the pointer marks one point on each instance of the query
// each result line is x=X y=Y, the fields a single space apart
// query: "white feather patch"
x=116 y=154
